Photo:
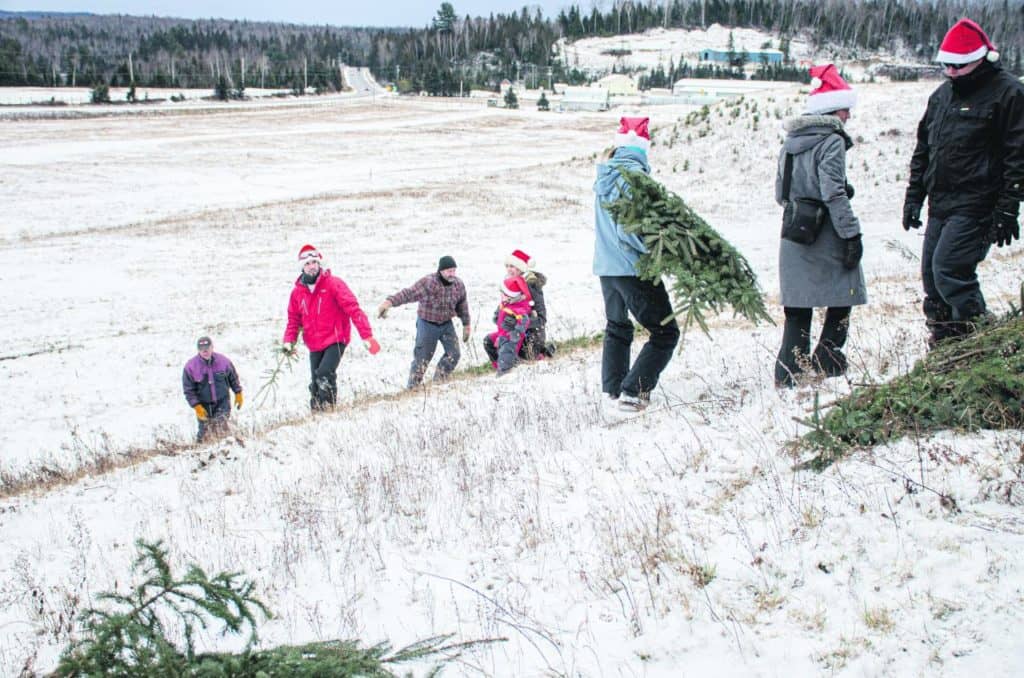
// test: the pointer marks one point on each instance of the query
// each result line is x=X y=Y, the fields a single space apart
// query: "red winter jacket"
x=326 y=314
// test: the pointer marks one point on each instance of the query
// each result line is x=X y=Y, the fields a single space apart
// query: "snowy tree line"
x=450 y=55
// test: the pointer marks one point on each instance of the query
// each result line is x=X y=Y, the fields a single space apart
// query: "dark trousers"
x=650 y=305
x=427 y=336
x=535 y=344
x=795 y=353
x=323 y=366
x=216 y=419
x=953 y=248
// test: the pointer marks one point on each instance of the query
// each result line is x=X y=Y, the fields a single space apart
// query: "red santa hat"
x=309 y=253
x=510 y=289
x=965 y=42
x=829 y=91
x=633 y=132
x=520 y=260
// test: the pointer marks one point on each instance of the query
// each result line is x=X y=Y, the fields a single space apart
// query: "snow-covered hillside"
x=659 y=47
x=678 y=542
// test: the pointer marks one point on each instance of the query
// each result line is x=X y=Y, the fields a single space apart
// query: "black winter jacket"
x=970 y=145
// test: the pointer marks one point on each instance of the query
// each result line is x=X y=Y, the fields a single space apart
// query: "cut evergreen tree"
x=706 y=272
x=969 y=384
x=131 y=639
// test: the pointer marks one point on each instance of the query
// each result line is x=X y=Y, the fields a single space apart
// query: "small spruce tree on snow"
x=511 y=100
x=542 y=103
x=221 y=91
x=100 y=94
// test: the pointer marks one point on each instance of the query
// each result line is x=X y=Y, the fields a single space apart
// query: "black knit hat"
x=445 y=262
x=204 y=342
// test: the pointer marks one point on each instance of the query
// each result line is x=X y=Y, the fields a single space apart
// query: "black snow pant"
x=323 y=386
x=650 y=305
x=427 y=336
x=216 y=419
x=953 y=248
x=535 y=345
x=795 y=354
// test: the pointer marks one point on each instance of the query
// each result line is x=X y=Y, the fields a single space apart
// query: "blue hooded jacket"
x=615 y=251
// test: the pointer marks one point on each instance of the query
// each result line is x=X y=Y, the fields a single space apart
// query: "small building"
x=559 y=87
x=585 y=99
x=505 y=86
x=757 y=56
x=618 y=84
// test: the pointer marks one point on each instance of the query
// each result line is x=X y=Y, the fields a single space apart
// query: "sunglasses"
x=954 y=67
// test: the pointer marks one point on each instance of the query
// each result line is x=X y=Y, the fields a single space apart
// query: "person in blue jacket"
x=615 y=255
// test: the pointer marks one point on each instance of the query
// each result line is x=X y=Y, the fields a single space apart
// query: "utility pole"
x=174 y=80
x=131 y=69
x=305 y=75
x=243 y=72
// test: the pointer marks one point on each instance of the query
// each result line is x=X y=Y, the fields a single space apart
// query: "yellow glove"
x=200 y=412
x=382 y=310
x=239 y=400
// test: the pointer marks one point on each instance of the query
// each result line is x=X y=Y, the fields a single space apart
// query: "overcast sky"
x=415 y=13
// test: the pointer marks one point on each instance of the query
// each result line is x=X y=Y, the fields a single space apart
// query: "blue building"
x=757 y=56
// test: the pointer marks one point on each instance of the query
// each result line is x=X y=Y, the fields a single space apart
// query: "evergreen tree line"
x=452 y=54
x=866 y=24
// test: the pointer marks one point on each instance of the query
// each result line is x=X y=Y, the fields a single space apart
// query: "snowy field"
x=680 y=542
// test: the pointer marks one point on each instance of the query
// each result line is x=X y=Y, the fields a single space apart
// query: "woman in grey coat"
x=826 y=272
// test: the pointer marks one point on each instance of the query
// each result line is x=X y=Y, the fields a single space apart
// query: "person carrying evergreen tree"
x=208 y=380
x=616 y=253
x=324 y=308
x=969 y=163
x=441 y=296
x=820 y=249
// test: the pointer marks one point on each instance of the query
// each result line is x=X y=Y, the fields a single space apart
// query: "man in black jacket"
x=969 y=162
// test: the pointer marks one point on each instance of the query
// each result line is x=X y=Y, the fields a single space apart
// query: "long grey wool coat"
x=813 y=275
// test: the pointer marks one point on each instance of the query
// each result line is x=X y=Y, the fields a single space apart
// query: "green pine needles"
x=131 y=639
x=706 y=272
x=969 y=384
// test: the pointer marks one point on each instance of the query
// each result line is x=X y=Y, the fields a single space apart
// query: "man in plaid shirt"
x=441 y=297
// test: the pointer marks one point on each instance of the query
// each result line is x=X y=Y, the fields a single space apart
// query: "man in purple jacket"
x=441 y=297
x=206 y=380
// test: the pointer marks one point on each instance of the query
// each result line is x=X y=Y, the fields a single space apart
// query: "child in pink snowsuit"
x=512 y=321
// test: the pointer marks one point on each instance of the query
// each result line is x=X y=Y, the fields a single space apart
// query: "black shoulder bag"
x=802 y=218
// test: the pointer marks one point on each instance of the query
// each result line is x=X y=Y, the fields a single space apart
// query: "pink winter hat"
x=634 y=132
x=830 y=92
x=964 y=43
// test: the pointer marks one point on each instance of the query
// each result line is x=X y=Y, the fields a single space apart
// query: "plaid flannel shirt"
x=438 y=303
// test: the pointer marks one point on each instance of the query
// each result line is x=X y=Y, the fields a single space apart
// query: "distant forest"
x=452 y=53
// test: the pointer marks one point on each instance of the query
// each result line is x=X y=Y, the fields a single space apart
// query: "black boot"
x=796 y=342
x=939 y=320
x=828 y=357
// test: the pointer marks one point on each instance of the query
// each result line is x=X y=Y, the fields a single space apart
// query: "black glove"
x=853 y=250
x=911 y=215
x=849 y=191
x=1005 y=228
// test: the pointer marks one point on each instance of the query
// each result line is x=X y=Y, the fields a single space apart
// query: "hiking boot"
x=631 y=403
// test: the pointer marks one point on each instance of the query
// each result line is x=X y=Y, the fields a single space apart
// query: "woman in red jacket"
x=325 y=309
